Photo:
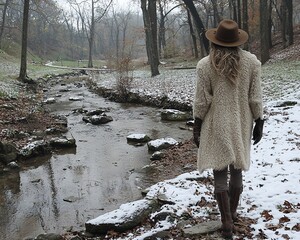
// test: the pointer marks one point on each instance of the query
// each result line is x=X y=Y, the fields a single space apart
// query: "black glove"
x=258 y=130
x=197 y=130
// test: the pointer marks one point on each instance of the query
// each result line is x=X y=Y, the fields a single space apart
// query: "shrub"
x=124 y=71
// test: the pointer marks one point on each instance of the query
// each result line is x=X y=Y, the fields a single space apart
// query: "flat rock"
x=50 y=100
x=138 y=138
x=97 y=120
x=13 y=165
x=157 y=155
x=174 y=115
x=98 y=111
x=162 y=143
x=8 y=152
x=202 y=228
x=126 y=217
x=36 y=148
x=63 y=141
x=76 y=99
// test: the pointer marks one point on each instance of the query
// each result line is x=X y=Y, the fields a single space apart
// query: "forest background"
x=97 y=33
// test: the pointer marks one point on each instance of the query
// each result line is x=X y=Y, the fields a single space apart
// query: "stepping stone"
x=202 y=228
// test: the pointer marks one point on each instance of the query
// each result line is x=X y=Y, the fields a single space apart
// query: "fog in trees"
x=102 y=29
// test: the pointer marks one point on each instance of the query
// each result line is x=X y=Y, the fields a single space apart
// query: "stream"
x=61 y=192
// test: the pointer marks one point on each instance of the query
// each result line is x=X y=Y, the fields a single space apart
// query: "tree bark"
x=245 y=21
x=91 y=37
x=239 y=13
x=283 y=9
x=264 y=41
x=217 y=18
x=153 y=28
x=270 y=25
x=23 y=68
x=193 y=35
x=117 y=37
x=3 y=21
x=234 y=10
x=150 y=24
x=199 y=25
x=290 y=31
x=162 y=31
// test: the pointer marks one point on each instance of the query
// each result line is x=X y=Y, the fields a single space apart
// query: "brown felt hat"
x=227 y=34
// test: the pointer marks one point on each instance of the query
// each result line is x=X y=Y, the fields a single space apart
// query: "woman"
x=228 y=99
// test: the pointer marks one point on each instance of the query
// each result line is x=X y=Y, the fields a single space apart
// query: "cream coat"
x=228 y=113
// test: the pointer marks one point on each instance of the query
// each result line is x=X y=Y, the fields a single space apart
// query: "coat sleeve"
x=255 y=92
x=203 y=95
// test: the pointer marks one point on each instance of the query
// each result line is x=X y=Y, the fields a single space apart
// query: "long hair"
x=225 y=60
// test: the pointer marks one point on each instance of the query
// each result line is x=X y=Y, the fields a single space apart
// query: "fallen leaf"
x=284 y=219
x=266 y=214
x=287 y=207
x=296 y=227
x=285 y=236
x=274 y=227
x=202 y=202
x=262 y=235
x=253 y=207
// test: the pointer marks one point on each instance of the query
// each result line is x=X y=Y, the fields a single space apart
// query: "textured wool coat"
x=227 y=112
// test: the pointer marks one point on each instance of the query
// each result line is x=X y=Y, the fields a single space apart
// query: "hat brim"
x=211 y=36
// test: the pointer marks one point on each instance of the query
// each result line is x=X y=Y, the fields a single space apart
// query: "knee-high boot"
x=224 y=207
x=234 y=196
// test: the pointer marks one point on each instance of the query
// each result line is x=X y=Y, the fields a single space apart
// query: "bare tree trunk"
x=270 y=25
x=193 y=35
x=161 y=31
x=217 y=18
x=245 y=20
x=199 y=25
x=264 y=41
x=153 y=28
x=290 y=32
x=70 y=29
x=91 y=37
x=234 y=10
x=239 y=13
x=117 y=41
x=283 y=9
x=150 y=24
x=80 y=31
x=23 y=68
x=3 y=21
x=115 y=27
x=124 y=31
x=88 y=26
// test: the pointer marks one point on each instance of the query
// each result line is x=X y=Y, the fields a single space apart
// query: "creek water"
x=61 y=192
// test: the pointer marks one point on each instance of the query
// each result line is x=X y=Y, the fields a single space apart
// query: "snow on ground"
x=272 y=183
x=271 y=186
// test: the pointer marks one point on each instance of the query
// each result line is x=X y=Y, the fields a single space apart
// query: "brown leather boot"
x=234 y=196
x=224 y=206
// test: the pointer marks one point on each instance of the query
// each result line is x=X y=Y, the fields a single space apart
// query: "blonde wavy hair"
x=225 y=60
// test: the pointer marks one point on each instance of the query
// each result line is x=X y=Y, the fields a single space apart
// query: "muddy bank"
x=28 y=128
